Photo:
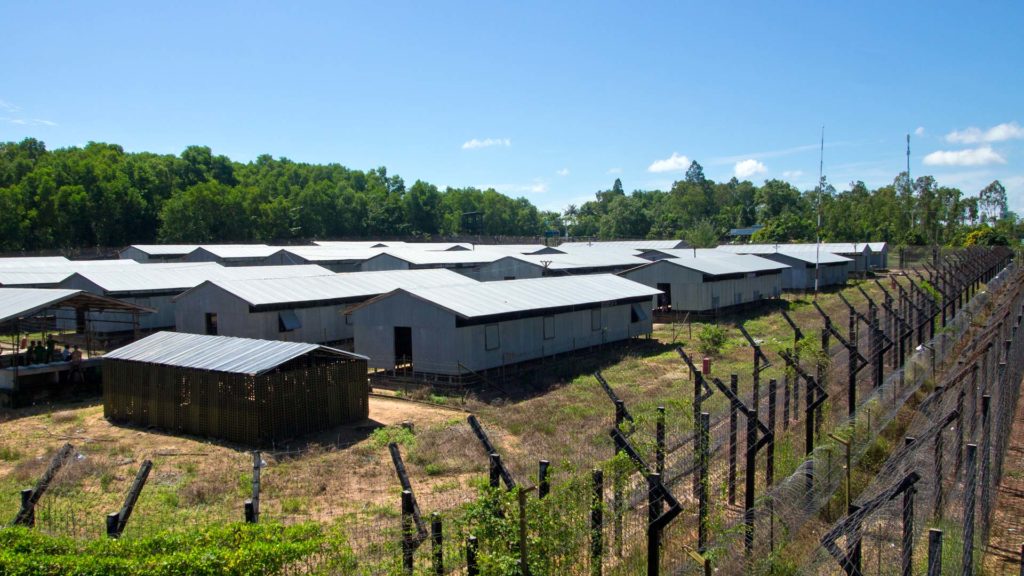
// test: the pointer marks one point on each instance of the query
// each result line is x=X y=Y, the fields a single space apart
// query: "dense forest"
x=100 y=195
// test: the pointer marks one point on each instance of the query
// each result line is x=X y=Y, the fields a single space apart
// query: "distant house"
x=330 y=257
x=299 y=309
x=232 y=254
x=254 y=392
x=804 y=266
x=457 y=330
x=710 y=282
x=145 y=253
x=156 y=285
x=635 y=245
x=466 y=262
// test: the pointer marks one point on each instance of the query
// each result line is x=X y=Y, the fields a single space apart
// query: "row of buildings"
x=441 y=308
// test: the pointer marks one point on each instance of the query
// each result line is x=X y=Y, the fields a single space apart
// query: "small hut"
x=255 y=392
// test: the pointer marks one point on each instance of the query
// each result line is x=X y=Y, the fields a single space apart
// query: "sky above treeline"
x=547 y=100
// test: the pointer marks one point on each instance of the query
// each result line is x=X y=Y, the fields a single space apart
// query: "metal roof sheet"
x=438 y=246
x=164 y=249
x=428 y=257
x=509 y=296
x=168 y=277
x=27 y=261
x=634 y=244
x=359 y=245
x=52 y=275
x=239 y=250
x=336 y=286
x=833 y=247
x=719 y=263
x=23 y=302
x=330 y=253
x=217 y=353
x=582 y=259
x=516 y=248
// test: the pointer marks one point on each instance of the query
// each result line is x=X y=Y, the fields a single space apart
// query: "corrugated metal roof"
x=427 y=257
x=330 y=253
x=634 y=244
x=217 y=353
x=168 y=277
x=509 y=296
x=53 y=275
x=833 y=247
x=718 y=263
x=229 y=251
x=878 y=246
x=164 y=249
x=514 y=248
x=336 y=286
x=21 y=302
x=435 y=246
x=26 y=261
x=356 y=245
x=581 y=260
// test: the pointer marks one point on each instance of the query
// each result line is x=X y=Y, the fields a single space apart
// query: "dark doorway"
x=211 y=323
x=665 y=300
x=403 y=345
x=80 y=320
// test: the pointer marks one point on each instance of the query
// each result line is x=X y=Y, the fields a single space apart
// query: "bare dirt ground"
x=1003 y=552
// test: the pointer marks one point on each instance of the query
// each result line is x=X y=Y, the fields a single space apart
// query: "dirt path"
x=1003 y=552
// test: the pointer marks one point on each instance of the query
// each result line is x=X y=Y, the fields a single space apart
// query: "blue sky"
x=547 y=100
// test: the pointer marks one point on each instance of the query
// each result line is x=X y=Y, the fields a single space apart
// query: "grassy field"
x=345 y=476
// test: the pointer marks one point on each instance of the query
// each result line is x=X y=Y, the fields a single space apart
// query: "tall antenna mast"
x=821 y=190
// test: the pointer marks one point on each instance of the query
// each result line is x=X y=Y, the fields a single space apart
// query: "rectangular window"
x=348 y=319
x=595 y=319
x=549 y=327
x=637 y=313
x=492 y=337
x=287 y=321
x=211 y=323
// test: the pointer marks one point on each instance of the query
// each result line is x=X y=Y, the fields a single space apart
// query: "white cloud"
x=485 y=143
x=749 y=167
x=674 y=163
x=970 y=157
x=536 y=187
x=919 y=131
x=8 y=107
x=792 y=174
x=29 y=121
x=614 y=171
x=974 y=135
x=562 y=172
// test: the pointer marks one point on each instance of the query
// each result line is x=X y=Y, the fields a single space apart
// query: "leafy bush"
x=381 y=437
x=712 y=338
x=233 y=549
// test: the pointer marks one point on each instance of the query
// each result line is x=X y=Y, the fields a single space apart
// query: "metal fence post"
x=660 y=441
x=437 y=543
x=986 y=466
x=495 y=469
x=543 y=484
x=653 y=531
x=704 y=449
x=407 y=532
x=471 y=547
x=750 y=478
x=769 y=470
x=734 y=386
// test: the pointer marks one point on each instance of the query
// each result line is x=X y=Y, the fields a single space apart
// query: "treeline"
x=917 y=212
x=99 y=195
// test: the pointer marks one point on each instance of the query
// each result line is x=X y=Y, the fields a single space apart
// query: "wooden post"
x=28 y=505
x=851 y=376
x=543 y=485
x=121 y=518
x=471 y=547
x=967 y=561
x=495 y=470
x=935 y=552
x=28 y=511
x=437 y=543
x=596 y=521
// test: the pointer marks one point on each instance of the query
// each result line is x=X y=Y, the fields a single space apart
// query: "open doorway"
x=665 y=300
x=403 y=346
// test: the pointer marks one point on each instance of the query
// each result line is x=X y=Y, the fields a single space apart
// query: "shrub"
x=381 y=437
x=711 y=338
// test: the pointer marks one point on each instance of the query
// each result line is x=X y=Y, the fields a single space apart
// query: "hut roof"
x=218 y=353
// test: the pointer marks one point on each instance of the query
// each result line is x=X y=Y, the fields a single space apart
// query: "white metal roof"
x=353 y=285
x=229 y=251
x=718 y=264
x=515 y=248
x=509 y=296
x=435 y=246
x=23 y=302
x=217 y=353
x=359 y=245
x=634 y=244
x=164 y=249
x=810 y=257
x=169 y=277
x=833 y=247
x=27 y=261
x=41 y=275
x=330 y=253
x=576 y=260
x=427 y=257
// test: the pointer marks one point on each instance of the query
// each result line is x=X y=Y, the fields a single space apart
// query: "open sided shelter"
x=254 y=392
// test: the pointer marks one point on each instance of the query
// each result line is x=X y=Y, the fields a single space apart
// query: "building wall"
x=383 y=262
x=318 y=324
x=107 y=322
x=691 y=293
x=508 y=268
x=438 y=346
